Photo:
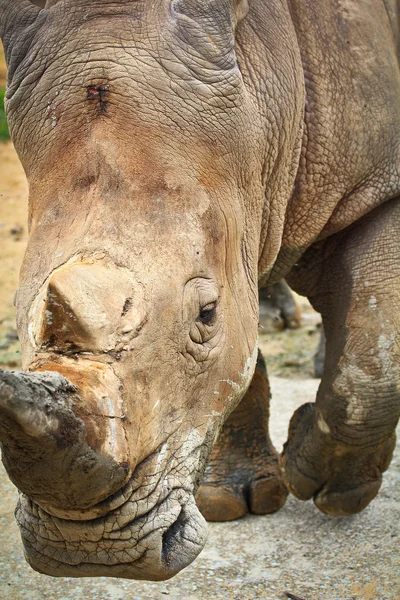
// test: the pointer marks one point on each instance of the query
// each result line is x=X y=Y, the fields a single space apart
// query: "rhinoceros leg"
x=339 y=447
x=278 y=307
x=243 y=474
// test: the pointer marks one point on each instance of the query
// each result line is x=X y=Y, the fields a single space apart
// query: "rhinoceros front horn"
x=44 y=448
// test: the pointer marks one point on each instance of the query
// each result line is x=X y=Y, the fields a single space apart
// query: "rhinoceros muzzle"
x=149 y=537
x=146 y=524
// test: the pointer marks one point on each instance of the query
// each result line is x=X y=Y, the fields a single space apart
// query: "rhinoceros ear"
x=208 y=26
x=15 y=17
x=229 y=12
x=19 y=21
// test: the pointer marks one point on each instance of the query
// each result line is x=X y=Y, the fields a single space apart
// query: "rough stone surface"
x=298 y=549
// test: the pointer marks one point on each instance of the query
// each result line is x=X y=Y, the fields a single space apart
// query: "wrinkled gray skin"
x=180 y=154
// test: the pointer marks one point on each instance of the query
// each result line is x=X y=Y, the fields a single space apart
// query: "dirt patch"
x=290 y=352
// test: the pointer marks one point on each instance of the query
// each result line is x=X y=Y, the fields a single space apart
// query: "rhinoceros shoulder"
x=350 y=160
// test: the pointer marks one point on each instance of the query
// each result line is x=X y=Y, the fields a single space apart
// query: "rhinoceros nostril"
x=170 y=538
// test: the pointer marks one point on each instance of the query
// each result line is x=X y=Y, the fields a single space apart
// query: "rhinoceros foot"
x=244 y=474
x=232 y=500
x=341 y=480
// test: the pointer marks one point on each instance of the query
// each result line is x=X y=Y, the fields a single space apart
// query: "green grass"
x=4 y=135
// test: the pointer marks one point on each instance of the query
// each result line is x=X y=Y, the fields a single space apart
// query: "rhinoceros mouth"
x=155 y=547
x=151 y=529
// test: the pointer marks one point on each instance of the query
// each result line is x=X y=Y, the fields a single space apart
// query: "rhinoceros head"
x=137 y=306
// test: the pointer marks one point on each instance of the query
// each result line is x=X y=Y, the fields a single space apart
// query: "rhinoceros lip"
x=167 y=548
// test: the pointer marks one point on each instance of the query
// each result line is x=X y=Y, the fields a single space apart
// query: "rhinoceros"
x=182 y=154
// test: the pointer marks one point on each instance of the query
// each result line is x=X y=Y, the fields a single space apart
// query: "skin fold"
x=180 y=156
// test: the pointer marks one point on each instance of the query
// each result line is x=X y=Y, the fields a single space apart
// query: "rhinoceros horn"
x=44 y=448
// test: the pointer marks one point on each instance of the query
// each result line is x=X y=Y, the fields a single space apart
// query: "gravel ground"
x=298 y=549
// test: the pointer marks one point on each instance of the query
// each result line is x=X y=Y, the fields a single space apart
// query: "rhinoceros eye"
x=207 y=313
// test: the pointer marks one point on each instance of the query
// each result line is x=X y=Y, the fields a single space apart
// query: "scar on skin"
x=98 y=94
